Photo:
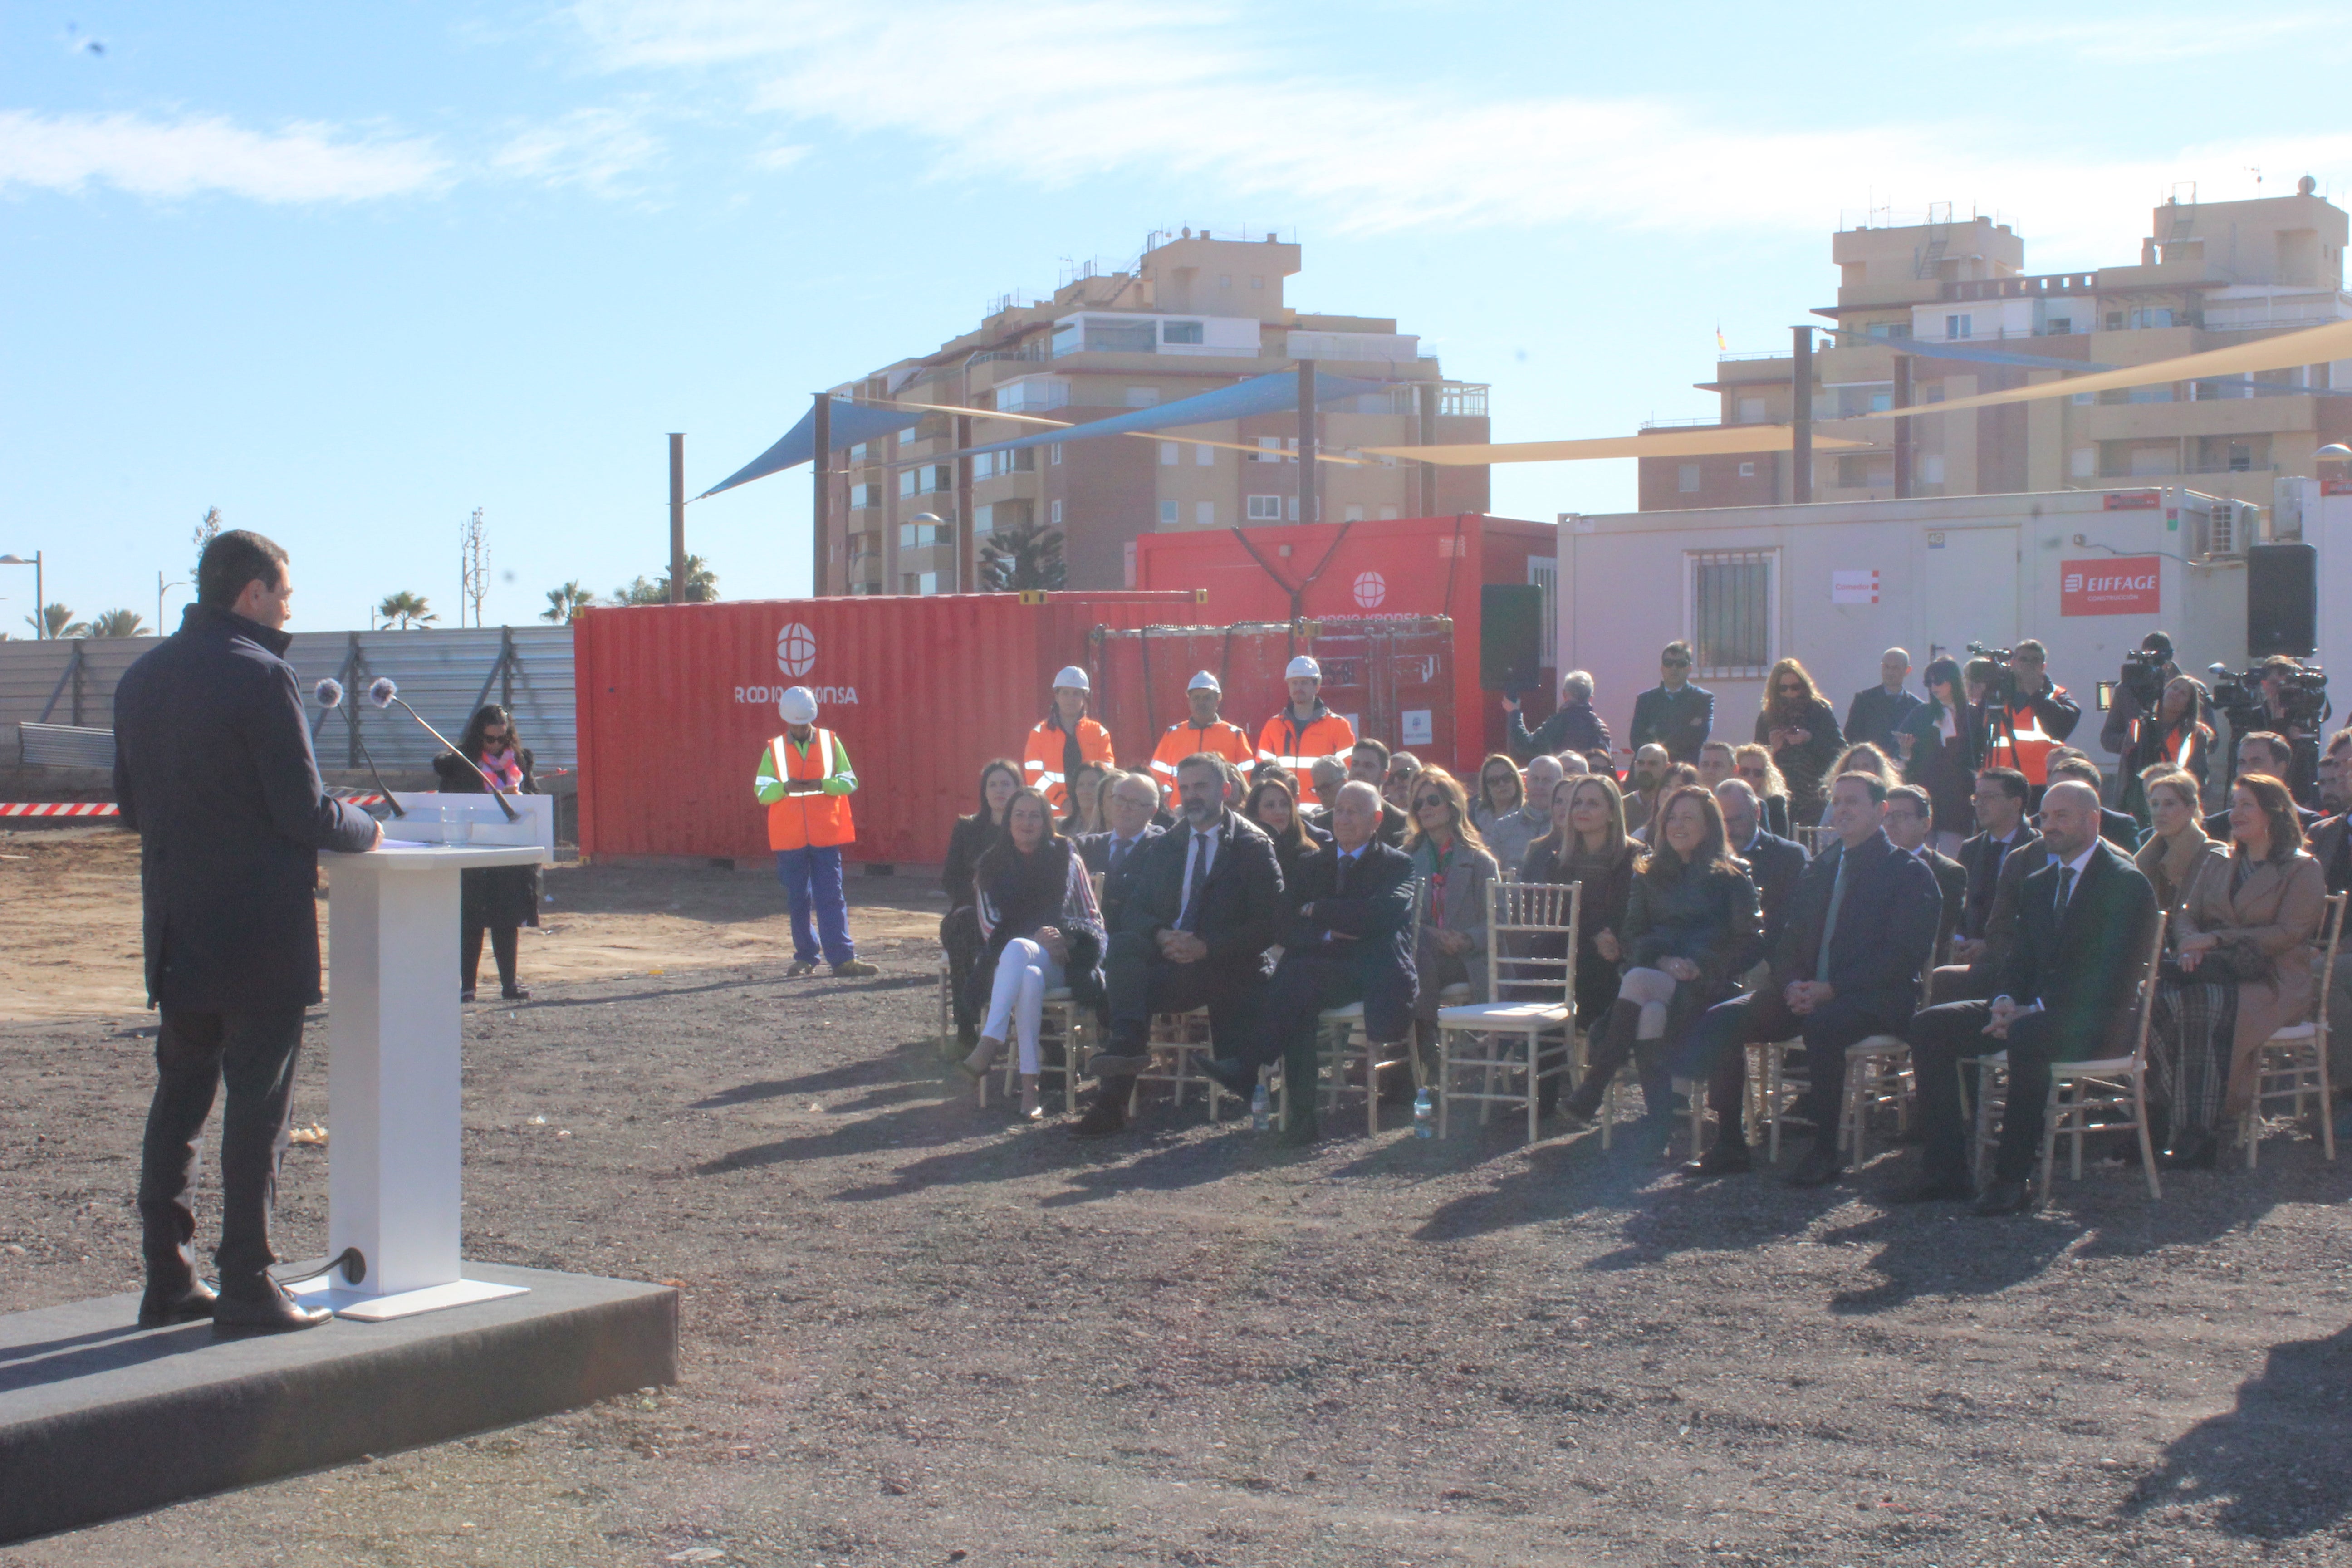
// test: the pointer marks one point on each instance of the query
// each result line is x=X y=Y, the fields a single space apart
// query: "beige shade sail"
x=1707 y=442
x=2312 y=346
x=1068 y=425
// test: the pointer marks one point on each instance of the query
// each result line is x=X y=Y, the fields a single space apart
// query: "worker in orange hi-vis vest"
x=1065 y=740
x=805 y=781
x=1305 y=731
x=1203 y=731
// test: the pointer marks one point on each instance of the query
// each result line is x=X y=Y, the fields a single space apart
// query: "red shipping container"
x=676 y=701
x=1336 y=572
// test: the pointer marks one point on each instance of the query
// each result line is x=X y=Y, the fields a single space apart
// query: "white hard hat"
x=798 y=705
x=1074 y=678
x=1205 y=681
x=1303 y=669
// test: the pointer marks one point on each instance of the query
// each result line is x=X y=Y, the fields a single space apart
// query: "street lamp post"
x=40 y=595
x=933 y=520
x=161 y=586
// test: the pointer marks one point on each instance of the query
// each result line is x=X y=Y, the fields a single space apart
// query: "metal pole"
x=1306 y=510
x=964 y=535
x=821 y=511
x=1903 y=427
x=677 y=516
x=1800 y=423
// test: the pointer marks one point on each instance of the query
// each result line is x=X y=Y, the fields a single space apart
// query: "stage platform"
x=100 y=1418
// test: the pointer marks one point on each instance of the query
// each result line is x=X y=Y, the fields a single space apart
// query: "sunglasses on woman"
x=1425 y=802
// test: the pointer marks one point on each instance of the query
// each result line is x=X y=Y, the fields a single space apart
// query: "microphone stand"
x=493 y=789
x=376 y=773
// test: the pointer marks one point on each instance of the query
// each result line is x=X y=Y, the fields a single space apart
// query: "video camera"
x=2143 y=676
x=2000 y=691
x=2303 y=690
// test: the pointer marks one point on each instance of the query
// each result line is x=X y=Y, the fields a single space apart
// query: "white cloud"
x=2146 y=40
x=596 y=148
x=196 y=154
x=1077 y=89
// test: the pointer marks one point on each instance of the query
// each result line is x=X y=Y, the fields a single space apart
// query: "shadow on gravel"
x=872 y=1073
x=922 y=1125
x=1557 y=1181
x=2278 y=1463
x=1943 y=1249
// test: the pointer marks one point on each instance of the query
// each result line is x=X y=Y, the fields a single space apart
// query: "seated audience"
x=1773 y=863
x=1600 y=761
x=2269 y=753
x=960 y=933
x=1877 y=715
x=1370 y=762
x=2176 y=852
x=1588 y=844
x=1910 y=823
x=1644 y=783
x=1084 y=799
x=2120 y=828
x=2068 y=990
x=1691 y=928
x=1272 y=807
x=1397 y=787
x=1037 y=911
x=1802 y=732
x=1323 y=780
x=1860 y=930
x=2004 y=852
x=1111 y=853
x=1349 y=938
x=1755 y=764
x=1864 y=758
x=1452 y=862
x=1716 y=763
x=1502 y=794
x=2331 y=846
x=2241 y=970
x=1205 y=908
x=1936 y=746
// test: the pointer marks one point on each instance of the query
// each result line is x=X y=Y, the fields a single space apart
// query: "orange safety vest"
x=1219 y=739
x=2031 y=754
x=800 y=820
x=1299 y=747
x=1041 y=762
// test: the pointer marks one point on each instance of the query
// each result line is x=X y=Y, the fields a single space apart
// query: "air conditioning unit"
x=2229 y=529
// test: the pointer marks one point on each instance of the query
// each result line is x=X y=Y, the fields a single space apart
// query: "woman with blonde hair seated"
x=1453 y=865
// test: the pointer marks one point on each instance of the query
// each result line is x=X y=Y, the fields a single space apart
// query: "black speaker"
x=2282 y=600
x=1510 y=637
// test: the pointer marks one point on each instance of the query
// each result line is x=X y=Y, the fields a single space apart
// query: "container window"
x=1730 y=611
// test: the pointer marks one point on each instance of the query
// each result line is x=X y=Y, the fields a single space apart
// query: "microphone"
x=384 y=692
x=329 y=693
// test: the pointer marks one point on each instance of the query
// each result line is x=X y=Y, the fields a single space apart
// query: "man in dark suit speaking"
x=2067 y=994
x=1351 y=940
x=213 y=767
x=1206 y=907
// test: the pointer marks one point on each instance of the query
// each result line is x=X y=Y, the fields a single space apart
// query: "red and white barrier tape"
x=108 y=808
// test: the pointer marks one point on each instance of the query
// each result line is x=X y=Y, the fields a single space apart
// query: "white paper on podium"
x=392 y=1074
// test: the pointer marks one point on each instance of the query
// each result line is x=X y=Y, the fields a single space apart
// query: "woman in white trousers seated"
x=1044 y=932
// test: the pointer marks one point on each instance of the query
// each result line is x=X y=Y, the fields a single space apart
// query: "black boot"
x=1608 y=1047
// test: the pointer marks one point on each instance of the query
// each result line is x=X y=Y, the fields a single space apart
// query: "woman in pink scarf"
x=505 y=899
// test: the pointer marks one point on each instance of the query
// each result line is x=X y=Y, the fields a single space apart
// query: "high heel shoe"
x=983 y=1057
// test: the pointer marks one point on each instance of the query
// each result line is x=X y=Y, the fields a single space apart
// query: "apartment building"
x=1193 y=313
x=2210 y=275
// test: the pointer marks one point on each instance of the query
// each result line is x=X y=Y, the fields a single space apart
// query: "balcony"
x=2035 y=286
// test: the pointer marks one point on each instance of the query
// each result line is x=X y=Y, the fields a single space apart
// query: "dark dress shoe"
x=2201 y=1153
x=1722 y=1160
x=2005 y=1198
x=1955 y=1190
x=259 y=1305
x=1106 y=1116
x=175 y=1304
x=1818 y=1168
x=1233 y=1076
x=1301 y=1133
x=1109 y=1064
x=514 y=992
x=467 y=994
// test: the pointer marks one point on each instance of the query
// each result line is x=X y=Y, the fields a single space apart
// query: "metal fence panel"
x=441 y=673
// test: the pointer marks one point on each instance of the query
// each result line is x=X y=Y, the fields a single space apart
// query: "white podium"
x=392 y=1092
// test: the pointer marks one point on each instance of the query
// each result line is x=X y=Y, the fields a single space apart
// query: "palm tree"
x=119 y=623
x=701 y=586
x=56 y=621
x=403 y=610
x=1025 y=555
x=564 y=604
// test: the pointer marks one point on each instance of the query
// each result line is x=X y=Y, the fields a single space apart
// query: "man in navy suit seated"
x=1111 y=853
x=1351 y=941
x=1860 y=930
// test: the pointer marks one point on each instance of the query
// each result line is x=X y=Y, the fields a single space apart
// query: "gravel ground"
x=920 y=1334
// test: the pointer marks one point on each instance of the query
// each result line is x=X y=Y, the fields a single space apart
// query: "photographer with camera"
x=2138 y=691
x=2169 y=732
x=2023 y=714
x=2279 y=696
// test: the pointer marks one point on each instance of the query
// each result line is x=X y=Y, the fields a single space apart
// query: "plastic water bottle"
x=1261 y=1110
x=1424 y=1114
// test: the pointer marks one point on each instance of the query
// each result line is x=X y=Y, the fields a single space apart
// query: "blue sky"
x=349 y=272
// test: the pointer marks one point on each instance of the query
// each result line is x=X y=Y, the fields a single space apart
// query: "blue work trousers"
x=811 y=879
